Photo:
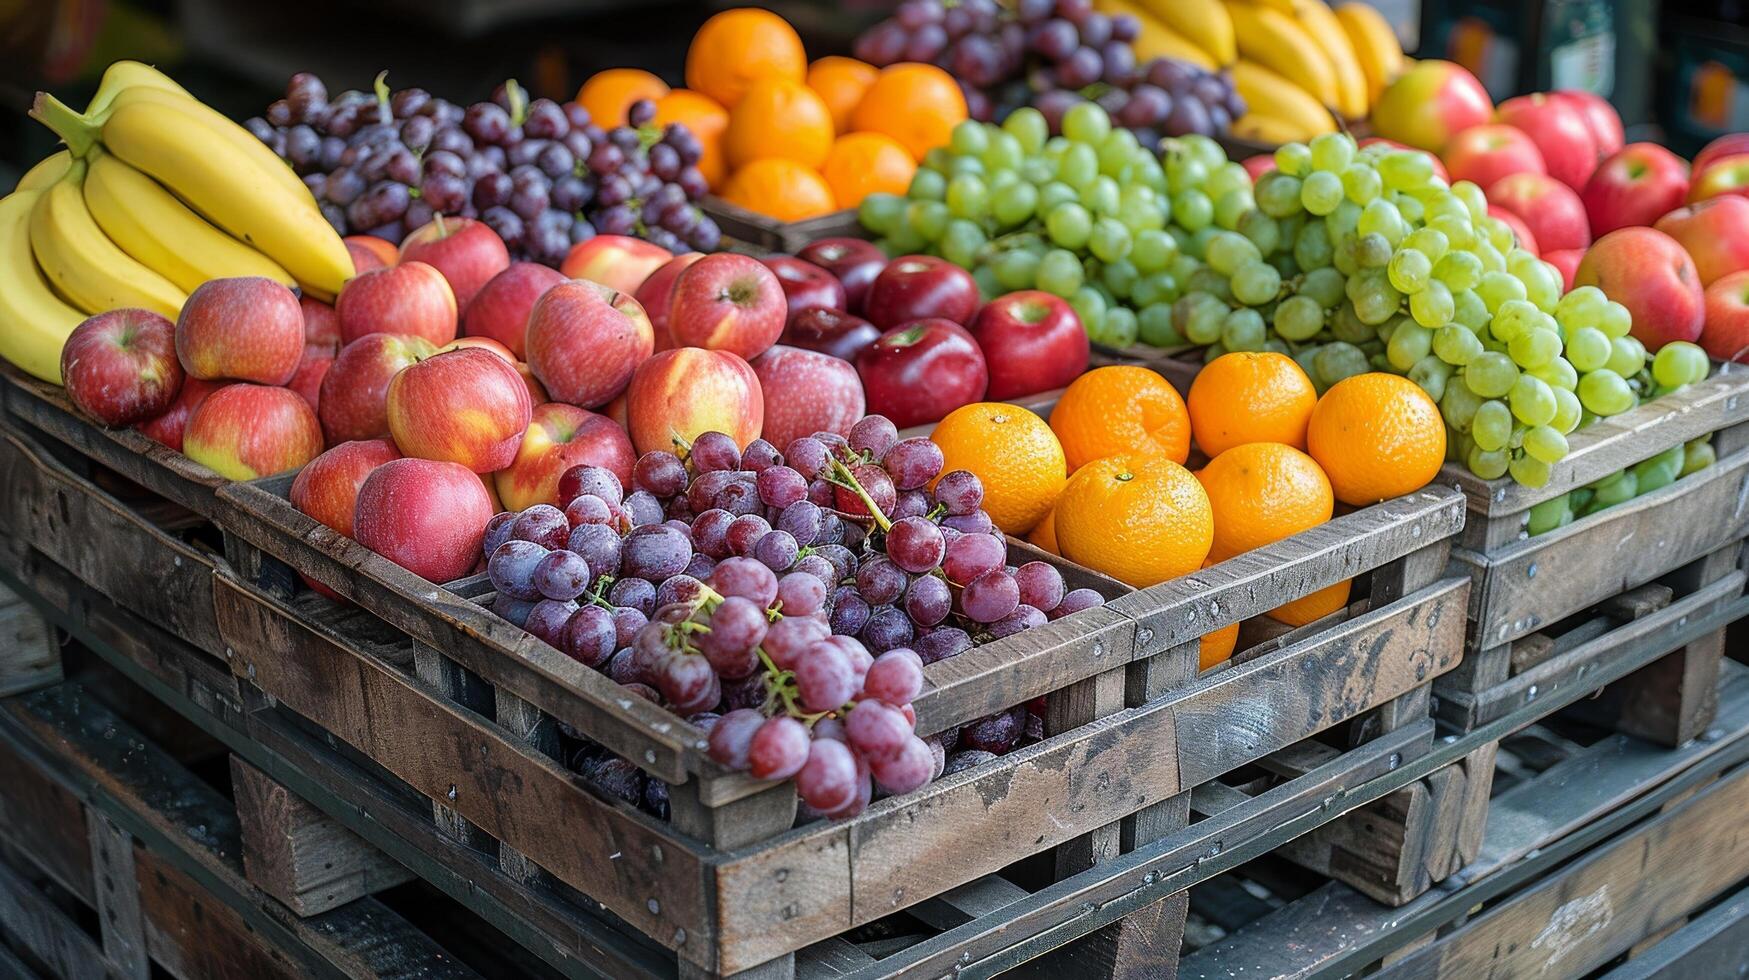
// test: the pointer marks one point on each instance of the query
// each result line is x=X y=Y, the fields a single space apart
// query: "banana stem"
x=79 y=133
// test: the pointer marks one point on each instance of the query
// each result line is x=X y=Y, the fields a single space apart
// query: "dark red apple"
x=855 y=262
x=920 y=371
x=168 y=427
x=656 y=292
x=830 y=331
x=468 y=253
x=920 y=287
x=805 y=285
x=121 y=366
x=1032 y=342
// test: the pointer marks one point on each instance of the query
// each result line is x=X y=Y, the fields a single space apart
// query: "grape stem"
x=840 y=476
x=518 y=101
x=385 y=114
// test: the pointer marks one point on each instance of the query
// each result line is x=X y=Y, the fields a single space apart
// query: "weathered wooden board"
x=1715 y=944
x=30 y=653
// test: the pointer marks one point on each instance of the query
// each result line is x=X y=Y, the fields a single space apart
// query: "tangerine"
x=779 y=188
x=841 y=82
x=916 y=104
x=1261 y=492
x=861 y=164
x=1140 y=519
x=707 y=120
x=1377 y=436
x=1013 y=453
x=1250 y=397
x=1044 y=533
x=738 y=47
x=778 y=118
x=609 y=93
x=1311 y=608
x=1121 y=409
x=1217 y=647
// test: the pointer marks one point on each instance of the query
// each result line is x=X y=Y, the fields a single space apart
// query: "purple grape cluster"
x=1051 y=54
x=543 y=175
x=780 y=600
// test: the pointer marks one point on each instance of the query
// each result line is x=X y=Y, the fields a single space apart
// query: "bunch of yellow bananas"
x=155 y=194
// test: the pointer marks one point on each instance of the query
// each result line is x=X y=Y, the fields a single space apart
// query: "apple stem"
x=78 y=132
x=437 y=219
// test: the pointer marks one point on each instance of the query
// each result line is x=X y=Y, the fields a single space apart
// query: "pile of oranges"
x=1104 y=483
x=783 y=137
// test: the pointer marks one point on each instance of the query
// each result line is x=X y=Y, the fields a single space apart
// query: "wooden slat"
x=117 y=896
x=1715 y=944
x=30 y=920
x=30 y=654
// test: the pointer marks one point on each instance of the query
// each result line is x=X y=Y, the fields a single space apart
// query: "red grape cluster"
x=541 y=174
x=1052 y=54
x=781 y=601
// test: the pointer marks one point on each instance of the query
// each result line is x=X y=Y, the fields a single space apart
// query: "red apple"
x=559 y=437
x=354 y=399
x=247 y=431
x=918 y=372
x=1560 y=130
x=537 y=392
x=1430 y=103
x=321 y=325
x=678 y=394
x=1730 y=144
x=327 y=489
x=656 y=292
x=806 y=392
x=167 y=428
x=584 y=340
x=1715 y=232
x=410 y=298
x=307 y=380
x=370 y=252
x=727 y=302
x=805 y=285
x=120 y=367
x=854 y=261
x=466 y=406
x=921 y=287
x=1648 y=272
x=1258 y=164
x=1032 y=342
x=468 y=253
x=249 y=328
x=500 y=309
x=1567 y=261
x=1438 y=164
x=1723 y=175
x=486 y=344
x=1552 y=210
x=424 y=515
x=1520 y=230
x=1484 y=154
x=1600 y=117
x=1726 y=336
x=830 y=331
x=617 y=261
x=1637 y=185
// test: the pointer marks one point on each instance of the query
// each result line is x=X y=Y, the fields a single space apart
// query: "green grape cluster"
x=1623 y=485
x=1091 y=216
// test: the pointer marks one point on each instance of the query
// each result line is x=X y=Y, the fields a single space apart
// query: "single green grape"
x=1405 y=169
x=1323 y=286
x=1299 y=318
x=1469 y=310
x=961 y=243
x=1491 y=374
x=1199 y=317
x=1079 y=166
x=1532 y=401
x=1410 y=270
x=968 y=138
x=1473 y=198
x=1243 y=330
x=1604 y=392
x=1232 y=206
x=1588 y=348
x=1016 y=269
x=1698 y=455
x=1185 y=171
x=1429 y=242
x=1583 y=307
x=1372 y=251
x=1492 y=260
x=1264 y=231
x=1431 y=374
x=1546 y=443
x=1344 y=222
x=1207 y=280
x=1101 y=196
x=1456 y=345
x=1375 y=301
x=1458 y=270
x=1346 y=326
x=1491 y=426
x=1227 y=251
x=1154 y=326
x=1086 y=122
x=1053 y=194
x=1432 y=307
x=1332 y=151
x=1060 y=273
x=1409 y=343
x=1679 y=363
x=1116 y=151
x=1616 y=489
x=1090 y=306
x=1013 y=205
x=1312 y=246
x=1459 y=405
x=1120 y=277
x=928 y=218
x=1496 y=288
x=1626 y=356
x=1556 y=374
x=1192 y=209
x=1338 y=361
x=1382 y=216
x=1278 y=194
x=1615 y=321
x=967 y=197
x=1488 y=464
x=1028 y=125
x=1255 y=283
x=927 y=185
x=1550 y=514
x=1534 y=348
x=1567 y=410
x=1110 y=240
x=1515 y=316
x=1004 y=152
x=904 y=240
x=1361 y=183
x=1160 y=287
x=1069 y=226
x=1122 y=327
x=1227 y=176
x=1529 y=471
x=1293 y=159
x=1321 y=192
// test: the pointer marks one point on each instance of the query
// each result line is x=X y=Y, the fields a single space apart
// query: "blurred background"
x=1675 y=69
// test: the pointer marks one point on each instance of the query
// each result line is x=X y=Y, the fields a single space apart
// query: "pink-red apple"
x=425 y=515
x=1520 y=230
x=247 y=431
x=1727 y=145
x=1715 y=232
x=1032 y=342
x=486 y=344
x=585 y=340
x=1726 y=336
x=830 y=331
x=727 y=302
x=559 y=437
x=321 y=325
x=854 y=261
x=1429 y=104
x=1567 y=261
x=167 y=428
x=920 y=287
x=500 y=308
x=410 y=298
x=618 y=261
x=805 y=285
x=537 y=392
x=1600 y=117
x=1637 y=185
x=806 y=392
x=370 y=252
x=1648 y=272
x=327 y=489
x=249 y=328
x=307 y=379
x=465 y=406
x=918 y=372
x=1552 y=210
x=1722 y=176
x=1484 y=154
x=120 y=367
x=468 y=253
x=1560 y=130
x=354 y=399
x=658 y=290
x=1258 y=164
x=678 y=394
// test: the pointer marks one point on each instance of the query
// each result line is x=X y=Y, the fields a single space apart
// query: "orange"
x=781 y=189
x=608 y=94
x=1121 y=409
x=1140 y=519
x=841 y=81
x=1044 y=533
x=1217 y=647
x=1378 y=436
x=778 y=118
x=861 y=164
x=918 y=105
x=1250 y=397
x=1312 y=607
x=1262 y=492
x=738 y=47
x=1014 y=454
x=706 y=119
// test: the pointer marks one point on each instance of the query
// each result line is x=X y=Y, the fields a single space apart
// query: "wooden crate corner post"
x=30 y=651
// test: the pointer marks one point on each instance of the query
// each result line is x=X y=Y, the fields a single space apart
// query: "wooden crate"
x=772 y=235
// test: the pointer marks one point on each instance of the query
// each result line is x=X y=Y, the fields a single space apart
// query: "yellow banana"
x=1285 y=6
x=83 y=264
x=49 y=170
x=223 y=129
x=1375 y=46
x=34 y=322
x=1268 y=94
x=130 y=74
x=1204 y=23
x=1277 y=42
x=1154 y=39
x=1320 y=23
x=226 y=186
x=1269 y=130
x=150 y=224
